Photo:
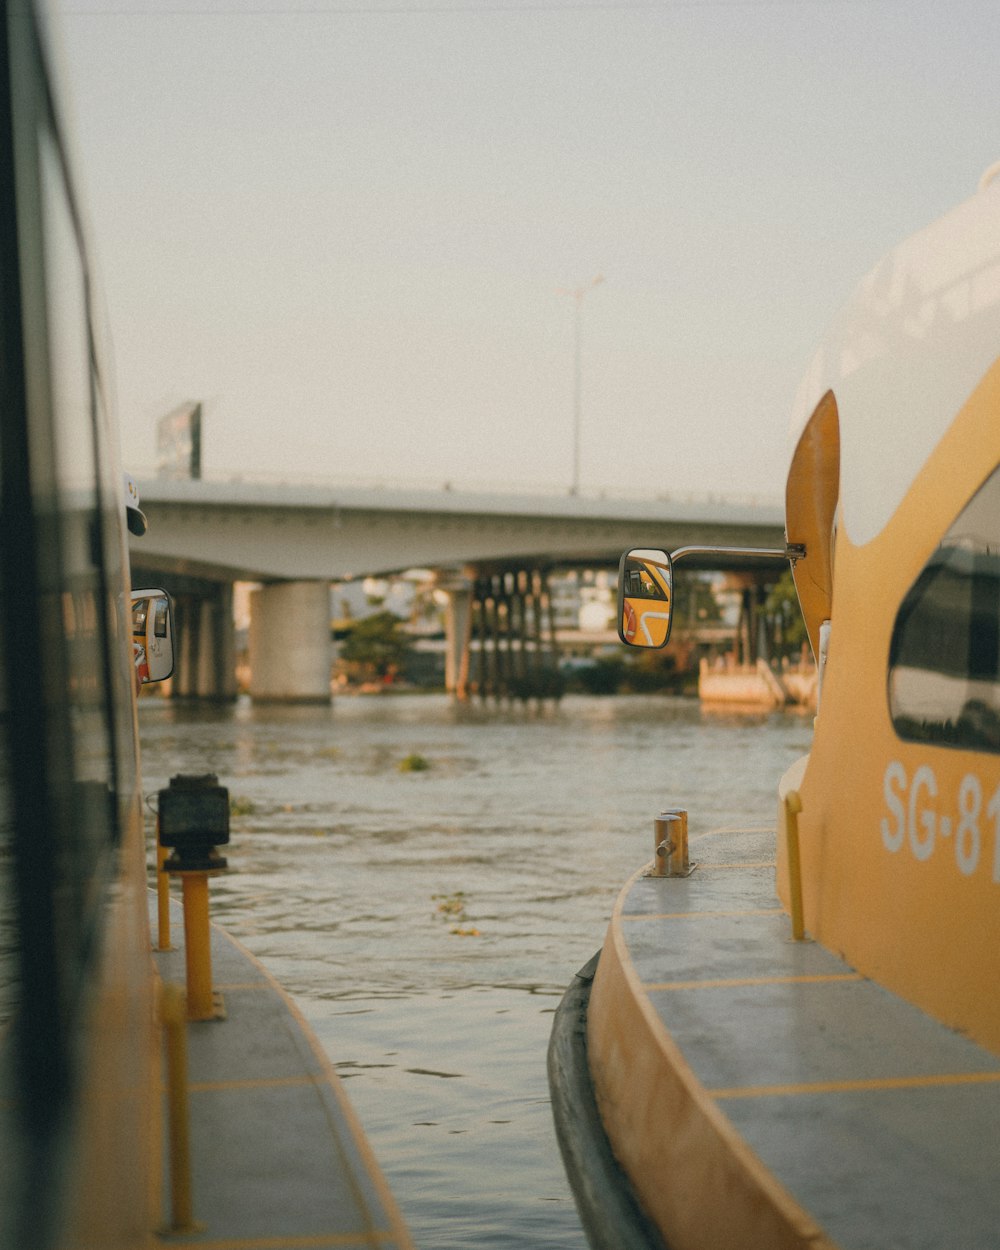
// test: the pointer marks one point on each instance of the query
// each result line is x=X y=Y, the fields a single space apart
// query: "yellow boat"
x=791 y=1036
x=265 y=1152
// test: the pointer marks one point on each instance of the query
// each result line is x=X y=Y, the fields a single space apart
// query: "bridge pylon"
x=290 y=642
x=513 y=650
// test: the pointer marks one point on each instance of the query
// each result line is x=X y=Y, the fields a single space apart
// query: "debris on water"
x=414 y=763
x=452 y=907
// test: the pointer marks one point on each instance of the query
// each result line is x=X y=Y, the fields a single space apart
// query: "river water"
x=427 y=922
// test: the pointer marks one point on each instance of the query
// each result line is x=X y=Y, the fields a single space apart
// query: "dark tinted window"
x=67 y=746
x=9 y=943
x=944 y=678
x=67 y=722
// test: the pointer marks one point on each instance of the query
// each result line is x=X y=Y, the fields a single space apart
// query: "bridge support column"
x=290 y=643
x=458 y=635
x=216 y=673
x=186 y=622
x=516 y=652
x=205 y=645
x=751 y=642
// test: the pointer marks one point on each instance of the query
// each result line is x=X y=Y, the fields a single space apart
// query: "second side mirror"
x=152 y=636
x=645 y=597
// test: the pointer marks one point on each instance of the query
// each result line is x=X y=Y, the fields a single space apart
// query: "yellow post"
x=178 y=1118
x=678 y=864
x=197 y=946
x=162 y=896
x=664 y=835
x=793 y=805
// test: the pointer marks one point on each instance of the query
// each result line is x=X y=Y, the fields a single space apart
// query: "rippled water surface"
x=427 y=922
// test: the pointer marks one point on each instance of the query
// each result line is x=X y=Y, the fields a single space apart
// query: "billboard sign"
x=178 y=443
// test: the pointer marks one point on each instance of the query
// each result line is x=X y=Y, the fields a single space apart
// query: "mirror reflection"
x=645 y=597
x=152 y=636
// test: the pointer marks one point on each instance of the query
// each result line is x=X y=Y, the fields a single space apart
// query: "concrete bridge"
x=493 y=552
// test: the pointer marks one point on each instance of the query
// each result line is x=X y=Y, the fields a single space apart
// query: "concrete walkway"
x=279 y=1159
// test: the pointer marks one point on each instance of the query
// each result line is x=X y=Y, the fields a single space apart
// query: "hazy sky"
x=344 y=225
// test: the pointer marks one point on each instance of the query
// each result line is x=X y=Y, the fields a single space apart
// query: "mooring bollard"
x=678 y=864
x=194 y=820
x=670 y=844
x=663 y=844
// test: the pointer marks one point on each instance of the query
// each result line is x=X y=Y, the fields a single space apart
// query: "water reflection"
x=528 y=820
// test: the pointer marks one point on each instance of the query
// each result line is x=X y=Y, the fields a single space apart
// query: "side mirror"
x=645 y=598
x=152 y=636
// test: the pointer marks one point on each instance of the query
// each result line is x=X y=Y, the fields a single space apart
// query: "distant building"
x=583 y=599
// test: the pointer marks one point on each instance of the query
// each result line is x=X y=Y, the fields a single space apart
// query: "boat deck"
x=878 y=1124
x=278 y=1158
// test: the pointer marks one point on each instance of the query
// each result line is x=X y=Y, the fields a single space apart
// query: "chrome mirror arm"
x=790 y=552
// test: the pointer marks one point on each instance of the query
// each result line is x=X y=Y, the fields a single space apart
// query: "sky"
x=352 y=229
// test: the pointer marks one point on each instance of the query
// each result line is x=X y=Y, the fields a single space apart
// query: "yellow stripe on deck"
x=729 y=983
x=852 y=1087
x=698 y=915
x=750 y=863
x=264 y=1082
x=342 y=1241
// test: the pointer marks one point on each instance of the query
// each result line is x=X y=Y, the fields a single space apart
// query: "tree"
x=695 y=603
x=784 y=616
x=376 y=644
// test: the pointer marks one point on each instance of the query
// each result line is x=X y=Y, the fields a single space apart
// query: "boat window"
x=639 y=582
x=9 y=941
x=70 y=569
x=67 y=745
x=944 y=675
x=62 y=607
